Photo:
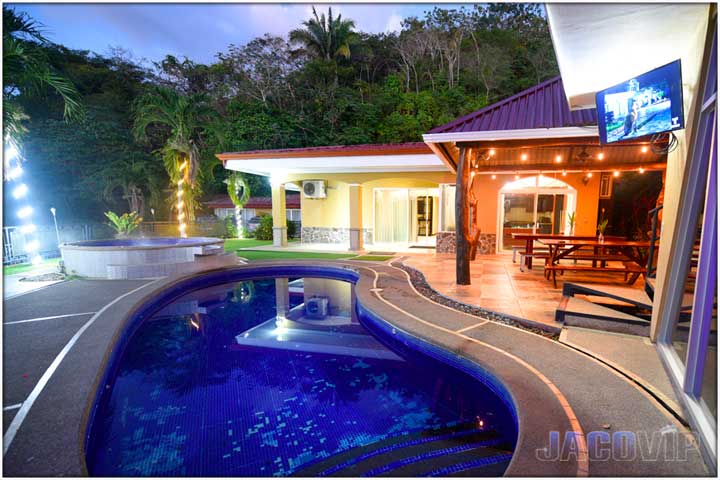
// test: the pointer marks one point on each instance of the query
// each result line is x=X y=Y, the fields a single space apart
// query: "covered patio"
x=531 y=152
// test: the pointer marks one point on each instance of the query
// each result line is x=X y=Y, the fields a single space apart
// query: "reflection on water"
x=257 y=378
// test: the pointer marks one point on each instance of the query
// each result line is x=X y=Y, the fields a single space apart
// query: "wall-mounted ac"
x=314 y=188
x=317 y=307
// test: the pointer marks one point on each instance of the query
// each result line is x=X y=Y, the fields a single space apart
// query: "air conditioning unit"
x=314 y=188
x=317 y=307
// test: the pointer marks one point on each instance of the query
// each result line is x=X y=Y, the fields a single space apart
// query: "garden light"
x=20 y=190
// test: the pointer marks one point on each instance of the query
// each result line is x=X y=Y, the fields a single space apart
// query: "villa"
x=453 y=306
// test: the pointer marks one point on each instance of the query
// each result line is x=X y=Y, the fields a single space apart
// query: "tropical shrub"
x=124 y=224
x=291 y=229
x=264 y=231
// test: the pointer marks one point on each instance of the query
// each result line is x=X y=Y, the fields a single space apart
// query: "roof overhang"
x=268 y=166
x=600 y=45
x=494 y=135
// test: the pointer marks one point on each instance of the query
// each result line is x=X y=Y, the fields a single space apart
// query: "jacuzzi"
x=144 y=257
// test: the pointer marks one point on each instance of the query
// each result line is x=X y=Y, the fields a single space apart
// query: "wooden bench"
x=540 y=253
x=627 y=268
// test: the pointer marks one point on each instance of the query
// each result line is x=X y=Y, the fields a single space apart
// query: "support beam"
x=279 y=216
x=356 y=226
x=462 y=246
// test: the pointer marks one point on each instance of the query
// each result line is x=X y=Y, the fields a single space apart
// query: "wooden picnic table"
x=635 y=253
x=531 y=238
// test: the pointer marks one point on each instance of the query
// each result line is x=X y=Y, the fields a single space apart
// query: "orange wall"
x=586 y=211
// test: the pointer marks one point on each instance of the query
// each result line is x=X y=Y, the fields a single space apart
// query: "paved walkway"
x=500 y=286
x=14 y=285
x=556 y=388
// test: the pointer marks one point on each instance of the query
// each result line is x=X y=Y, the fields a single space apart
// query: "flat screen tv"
x=647 y=104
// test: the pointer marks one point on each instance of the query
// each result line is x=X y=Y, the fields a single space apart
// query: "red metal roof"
x=541 y=106
x=292 y=200
x=333 y=151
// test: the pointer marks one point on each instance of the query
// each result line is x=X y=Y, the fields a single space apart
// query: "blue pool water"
x=271 y=376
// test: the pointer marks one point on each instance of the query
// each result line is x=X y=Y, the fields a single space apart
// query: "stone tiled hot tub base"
x=144 y=257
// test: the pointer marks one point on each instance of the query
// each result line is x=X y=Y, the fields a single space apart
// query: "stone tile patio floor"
x=500 y=286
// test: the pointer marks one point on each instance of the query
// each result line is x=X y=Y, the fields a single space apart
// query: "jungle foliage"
x=327 y=83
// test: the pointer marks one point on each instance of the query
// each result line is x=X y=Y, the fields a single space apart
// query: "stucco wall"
x=333 y=211
x=586 y=210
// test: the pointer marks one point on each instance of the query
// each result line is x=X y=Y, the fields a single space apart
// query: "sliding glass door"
x=392 y=219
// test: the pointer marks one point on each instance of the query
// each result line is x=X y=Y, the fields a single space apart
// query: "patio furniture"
x=531 y=238
x=632 y=254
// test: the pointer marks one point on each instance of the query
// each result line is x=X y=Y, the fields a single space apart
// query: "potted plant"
x=124 y=224
x=571 y=221
x=602 y=226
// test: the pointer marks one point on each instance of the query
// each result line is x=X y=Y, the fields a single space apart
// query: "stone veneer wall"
x=445 y=243
x=331 y=235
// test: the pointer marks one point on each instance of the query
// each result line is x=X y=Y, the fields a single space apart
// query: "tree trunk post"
x=462 y=248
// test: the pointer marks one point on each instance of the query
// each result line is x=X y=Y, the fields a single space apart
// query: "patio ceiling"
x=600 y=45
x=545 y=158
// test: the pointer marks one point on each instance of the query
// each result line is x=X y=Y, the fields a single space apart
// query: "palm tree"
x=27 y=71
x=183 y=115
x=239 y=192
x=325 y=37
x=137 y=180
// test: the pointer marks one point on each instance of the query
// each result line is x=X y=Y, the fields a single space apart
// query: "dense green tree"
x=27 y=71
x=325 y=84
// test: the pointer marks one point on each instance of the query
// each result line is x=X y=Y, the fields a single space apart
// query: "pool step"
x=208 y=250
x=435 y=453
x=577 y=312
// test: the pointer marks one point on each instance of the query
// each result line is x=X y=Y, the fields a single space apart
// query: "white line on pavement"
x=28 y=403
x=49 y=318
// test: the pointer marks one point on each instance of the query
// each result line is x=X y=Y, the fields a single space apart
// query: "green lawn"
x=232 y=244
x=274 y=255
x=26 y=267
x=374 y=258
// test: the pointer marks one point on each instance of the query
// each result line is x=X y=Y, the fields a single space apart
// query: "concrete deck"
x=555 y=387
x=500 y=286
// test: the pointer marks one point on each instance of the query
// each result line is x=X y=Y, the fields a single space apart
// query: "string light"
x=558 y=159
x=523 y=157
x=616 y=173
x=589 y=174
x=180 y=203
x=517 y=177
x=24 y=212
x=492 y=152
x=641 y=170
x=601 y=156
x=27 y=229
x=644 y=149
x=494 y=176
x=564 y=173
x=20 y=191
x=15 y=173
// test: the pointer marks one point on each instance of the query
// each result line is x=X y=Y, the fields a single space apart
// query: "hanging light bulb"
x=616 y=173
x=601 y=156
x=494 y=176
x=641 y=170
x=558 y=159
x=589 y=174
x=523 y=157
x=491 y=152
x=644 y=149
x=564 y=173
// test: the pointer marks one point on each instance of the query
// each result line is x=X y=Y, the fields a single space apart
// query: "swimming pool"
x=284 y=375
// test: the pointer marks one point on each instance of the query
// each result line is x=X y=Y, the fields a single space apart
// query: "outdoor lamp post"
x=57 y=232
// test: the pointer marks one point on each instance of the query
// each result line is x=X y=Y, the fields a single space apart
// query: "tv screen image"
x=647 y=104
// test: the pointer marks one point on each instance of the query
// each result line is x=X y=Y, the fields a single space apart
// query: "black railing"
x=653 y=238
